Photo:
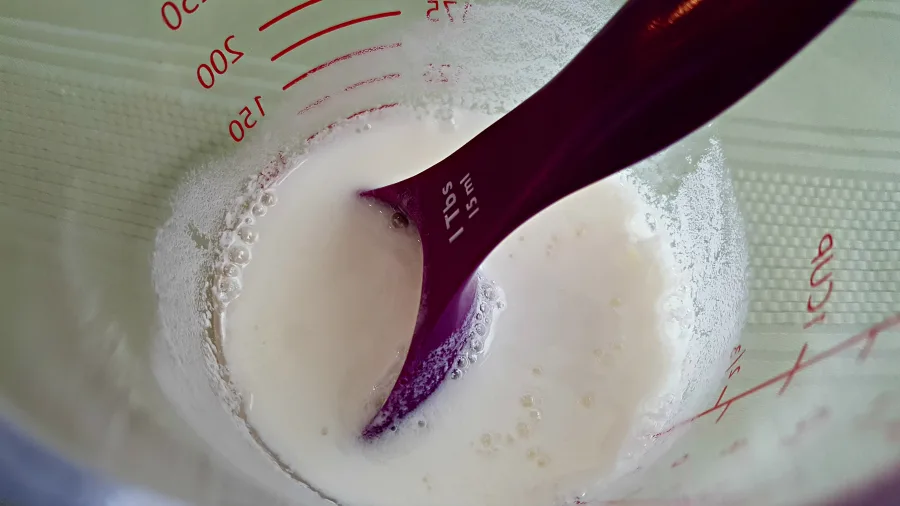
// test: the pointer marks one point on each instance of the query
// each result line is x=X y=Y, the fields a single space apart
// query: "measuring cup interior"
x=108 y=111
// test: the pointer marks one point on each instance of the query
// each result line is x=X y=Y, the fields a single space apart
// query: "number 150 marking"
x=238 y=134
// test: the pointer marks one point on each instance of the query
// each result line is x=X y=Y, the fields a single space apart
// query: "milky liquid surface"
x=328 y=305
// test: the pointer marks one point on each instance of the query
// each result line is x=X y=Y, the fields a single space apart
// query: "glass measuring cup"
x=106 y=108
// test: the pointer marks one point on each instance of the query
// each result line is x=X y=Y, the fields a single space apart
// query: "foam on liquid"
x=328 y=304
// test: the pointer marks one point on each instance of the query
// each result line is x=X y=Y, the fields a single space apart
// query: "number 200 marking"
x=217 y=65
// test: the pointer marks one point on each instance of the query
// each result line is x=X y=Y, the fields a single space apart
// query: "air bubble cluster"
x=488 y=304
x=248 y=234
x=237 y=239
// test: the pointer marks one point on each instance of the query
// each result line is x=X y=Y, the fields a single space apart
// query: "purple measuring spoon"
x=657 y=70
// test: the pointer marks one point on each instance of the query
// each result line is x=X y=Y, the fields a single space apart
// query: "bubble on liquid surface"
x=399 y=220
x=479 y=329
x=268 y=199
x=239 y=254
x=231 y=270
x=259 y=210
x=248 y=234
x=228 y=289
x=587 y=400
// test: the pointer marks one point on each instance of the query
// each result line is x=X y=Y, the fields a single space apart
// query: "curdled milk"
x=328 y=305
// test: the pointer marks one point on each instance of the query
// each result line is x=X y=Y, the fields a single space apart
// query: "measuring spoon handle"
x=657 y=71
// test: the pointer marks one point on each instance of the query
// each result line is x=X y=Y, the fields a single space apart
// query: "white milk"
x=328 y=305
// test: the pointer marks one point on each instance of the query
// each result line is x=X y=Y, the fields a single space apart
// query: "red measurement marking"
x=339 y=59
x=292 y=10
x=238 y=133
x=313 y=136
x=820 y=416
x=171 y=14
x=732 y=370
x=684 y=458
x=314 y=104
x=379 y=108
x=866 y=337
x=333 y=28
x=735 y=447
x=794 y=369
x=816 y=280
x=387 y=77
x=349 y=88
x=272 y=171
x=354 y=115
x=724 y=389
x=217 y=65
x=435 y=8
x=173 y=25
